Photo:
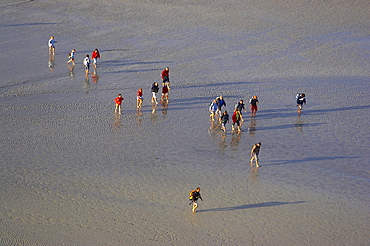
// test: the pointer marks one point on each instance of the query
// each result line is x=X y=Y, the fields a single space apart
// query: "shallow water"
x=75 y=173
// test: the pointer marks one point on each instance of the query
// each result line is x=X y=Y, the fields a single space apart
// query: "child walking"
x=118 y=101
x=224 y=120
x=139 y=98
x=71 y=58
x=86 y=63
x=212 y=109
x=51 y=45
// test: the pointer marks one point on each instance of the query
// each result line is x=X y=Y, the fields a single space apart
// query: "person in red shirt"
x=166 y=77
x=95 y=55
x=253 y=105
x=164 y=93
x=118 y=101
x=139 y=98
x=236 y=118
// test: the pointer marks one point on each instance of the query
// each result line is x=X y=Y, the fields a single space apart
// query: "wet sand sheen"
x=74 y=173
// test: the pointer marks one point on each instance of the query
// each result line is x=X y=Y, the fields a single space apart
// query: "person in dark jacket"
x=224 y=119
x=254 y=153
x=194 y=198
x=253 y=105
x=301 y=99
x=154 y=90
x=241 y=106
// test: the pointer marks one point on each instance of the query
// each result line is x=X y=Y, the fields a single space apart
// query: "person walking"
x=51 y=45
x=166 y=77
x=241 y=106
x=71 y=58
x=86 y=63
x=165 y=92
x=139 y=98
x=213 y=109
x=224 y=120
x=118 y=101
x=154 y=89
x=94 y=56
x=301 y=99
x=236 y=120
x=194 y=195
x=254 y=154
x=253 y=105
x=220 y=102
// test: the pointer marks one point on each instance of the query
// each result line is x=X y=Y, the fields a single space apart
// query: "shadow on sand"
x=283 y=162
x=256 y=205
x=218 y=84
x=289 y=112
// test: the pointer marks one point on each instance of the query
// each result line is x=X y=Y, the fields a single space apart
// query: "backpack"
x=191 y=194
x=211 y=106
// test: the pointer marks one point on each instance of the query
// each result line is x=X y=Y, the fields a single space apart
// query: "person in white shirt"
x=86 y=63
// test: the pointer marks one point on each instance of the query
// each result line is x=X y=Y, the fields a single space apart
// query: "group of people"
x=194 y=195
x=154 y=89
x=215 y=109
x=95 y=55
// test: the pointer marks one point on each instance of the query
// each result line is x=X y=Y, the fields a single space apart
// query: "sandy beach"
x=73 y=172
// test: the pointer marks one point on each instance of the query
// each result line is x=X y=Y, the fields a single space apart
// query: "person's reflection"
x=87 y=85
x=72 y=73
x=222 y=144
x=164 y=109
x=253 y=175
x=117 y=122
x=235 y=138
x=139 y=116
x=95 y=77
x=299 y=124
x=154 y=115
x=51 y=63
x=252 y=126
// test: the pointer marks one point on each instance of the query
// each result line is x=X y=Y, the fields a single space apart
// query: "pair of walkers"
x=215 y=108
x=94 y=56
x=225 y=118
x=195 y=195
x=155 y=89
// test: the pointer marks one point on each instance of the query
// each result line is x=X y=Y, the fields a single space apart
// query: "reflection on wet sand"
x=51 y=62
x=235 y=138
x=87 y=85
x=222 y=144
x=252 y=126
x=154 y=115
x=95 y=77
x=72 y=72
x=164 y=109
x=117 y=122
x=299 y=124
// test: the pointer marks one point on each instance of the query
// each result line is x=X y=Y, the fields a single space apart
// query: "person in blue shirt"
x=51 y=45
x=71 y=58
x=220 y=102
x=213 y=109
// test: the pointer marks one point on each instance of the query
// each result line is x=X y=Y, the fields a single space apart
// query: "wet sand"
x=75 y=173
